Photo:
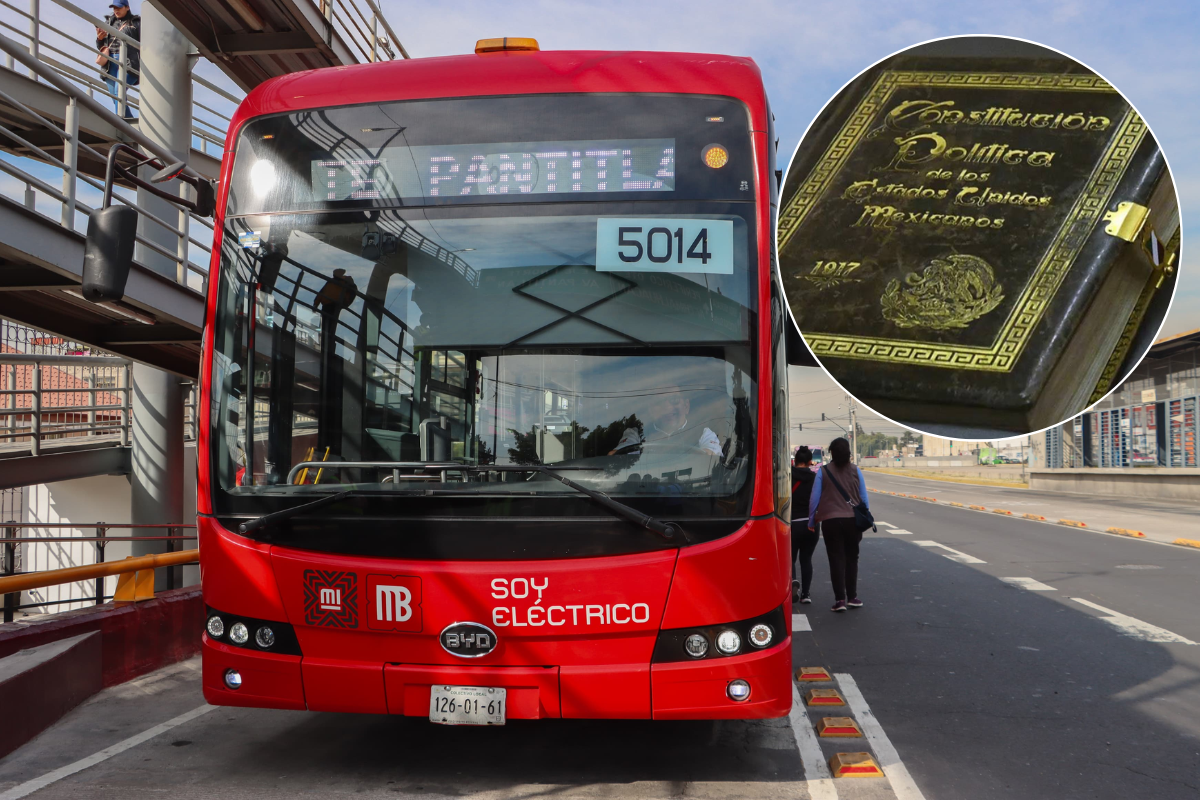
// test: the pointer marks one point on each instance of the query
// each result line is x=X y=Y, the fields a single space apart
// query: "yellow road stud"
x=824 y=697
x=1187 y=542
x=978 y=508
x=958 y=505
x=1074 y=523
x=1001 y=511
x=854 y=765
x=813 y=674
x=1033 y=516
x=1127 y=532
x=838 y=728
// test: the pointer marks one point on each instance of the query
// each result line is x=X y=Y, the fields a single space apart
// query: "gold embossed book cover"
x=948 y=239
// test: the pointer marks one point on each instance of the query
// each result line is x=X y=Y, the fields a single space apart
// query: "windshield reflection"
x=398 y=342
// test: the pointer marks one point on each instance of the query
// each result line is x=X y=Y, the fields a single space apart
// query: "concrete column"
x=165 y=116
x=157 y=479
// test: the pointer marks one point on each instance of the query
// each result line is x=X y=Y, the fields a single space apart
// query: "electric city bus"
x=492 y=393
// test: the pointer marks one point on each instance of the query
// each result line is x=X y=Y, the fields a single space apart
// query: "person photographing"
x=839 y=497
x=109 y=60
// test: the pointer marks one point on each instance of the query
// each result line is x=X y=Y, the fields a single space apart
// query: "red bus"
x=492 y=389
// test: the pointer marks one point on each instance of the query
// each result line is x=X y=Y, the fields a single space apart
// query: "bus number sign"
x=652 y=244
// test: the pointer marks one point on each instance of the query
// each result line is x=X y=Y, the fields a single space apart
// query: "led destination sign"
x=506 y=168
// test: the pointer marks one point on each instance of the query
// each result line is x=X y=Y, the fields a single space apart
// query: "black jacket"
x=802 y=484
x=131 y=26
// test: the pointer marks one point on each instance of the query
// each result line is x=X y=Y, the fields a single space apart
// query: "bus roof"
x=509 y=73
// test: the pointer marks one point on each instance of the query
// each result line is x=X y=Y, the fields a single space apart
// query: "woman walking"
x=804 y=538
x=838 y=488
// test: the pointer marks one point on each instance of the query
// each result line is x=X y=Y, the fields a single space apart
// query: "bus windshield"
x=380 y=329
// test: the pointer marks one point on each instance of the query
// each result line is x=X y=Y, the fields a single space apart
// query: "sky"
x=808 y=50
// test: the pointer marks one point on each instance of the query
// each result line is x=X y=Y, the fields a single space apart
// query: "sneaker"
x=855 y=603
x=805 y=598
x=840 y=605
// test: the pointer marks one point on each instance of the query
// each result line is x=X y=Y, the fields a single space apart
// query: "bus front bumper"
x=679 y=690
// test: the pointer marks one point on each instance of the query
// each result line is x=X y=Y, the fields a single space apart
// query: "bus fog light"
x=738 y=690
x=238 y=633
x=728 y=642
x=233 y=678
x=761 y=635
x=264 y=637
x=215 y=627
x=696 y=645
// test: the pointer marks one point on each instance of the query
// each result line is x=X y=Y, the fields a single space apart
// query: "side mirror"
x=108 y=253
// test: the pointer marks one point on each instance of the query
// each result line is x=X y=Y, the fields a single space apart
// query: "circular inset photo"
x=978 y=237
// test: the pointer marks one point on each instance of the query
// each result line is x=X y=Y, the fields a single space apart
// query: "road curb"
x=1127 y=532
x=1069 y=523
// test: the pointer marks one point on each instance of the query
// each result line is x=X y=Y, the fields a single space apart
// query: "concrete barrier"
x=136 y=638
x=1160 y=483
x=50 y=664
x=40 y=684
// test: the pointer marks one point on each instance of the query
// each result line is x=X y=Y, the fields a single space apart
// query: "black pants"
x=804 y=542
x=841 y=545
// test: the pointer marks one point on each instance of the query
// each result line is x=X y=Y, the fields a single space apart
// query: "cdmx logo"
x=330 y=598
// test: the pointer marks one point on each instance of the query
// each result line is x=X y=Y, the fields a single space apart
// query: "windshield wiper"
x=666 y=530
x=280 y=516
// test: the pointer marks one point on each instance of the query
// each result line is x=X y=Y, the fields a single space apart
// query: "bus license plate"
x=466 y=705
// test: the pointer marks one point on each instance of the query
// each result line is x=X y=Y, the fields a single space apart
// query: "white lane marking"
x=889 y=760
x=1135 y=627
x=881 y=522
x=1029 y=584
x=29 y=787
x=816 y=771
x=958 y=555
x=800 y=623
x=900 y=532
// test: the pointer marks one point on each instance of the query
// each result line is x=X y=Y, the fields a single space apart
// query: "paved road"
x=1079 y=684
x=1164 y=520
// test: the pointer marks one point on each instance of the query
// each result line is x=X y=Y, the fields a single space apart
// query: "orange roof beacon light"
x=715 y=156
x=507 y=43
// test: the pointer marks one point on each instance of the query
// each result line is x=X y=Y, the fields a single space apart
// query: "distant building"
x=936 y=446
x=1149 y=421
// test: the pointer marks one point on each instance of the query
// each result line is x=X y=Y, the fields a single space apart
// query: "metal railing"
x=14 y=580
x=61 y=35
x=75 y=399
x=348 y=18
x=190 y=255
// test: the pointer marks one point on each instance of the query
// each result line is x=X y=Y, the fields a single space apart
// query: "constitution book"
x=978 y=246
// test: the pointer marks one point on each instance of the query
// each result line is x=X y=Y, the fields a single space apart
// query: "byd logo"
x=468 y=640
x=394 y=603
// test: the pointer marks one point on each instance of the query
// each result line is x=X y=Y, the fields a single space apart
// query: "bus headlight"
x=238 y=633
x=728 y=641
x=215 y=627
x=696 y=645
x=761 y=635
x=264 y=637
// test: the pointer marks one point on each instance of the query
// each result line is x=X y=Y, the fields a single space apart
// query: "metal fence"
x=71 y=399
x=27 y=547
